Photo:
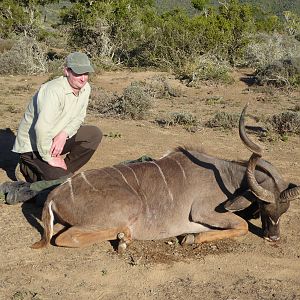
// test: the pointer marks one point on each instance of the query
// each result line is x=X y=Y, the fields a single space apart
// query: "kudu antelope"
x=184 y=193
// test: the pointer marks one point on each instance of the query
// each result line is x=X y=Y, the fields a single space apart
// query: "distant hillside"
x=272 y=6
x=51 y=11
x=276 y=6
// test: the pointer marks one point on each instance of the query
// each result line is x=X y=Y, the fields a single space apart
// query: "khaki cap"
x=79 y=63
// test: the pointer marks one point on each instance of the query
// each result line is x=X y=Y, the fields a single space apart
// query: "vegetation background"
x=199 y=41
x=196 y=39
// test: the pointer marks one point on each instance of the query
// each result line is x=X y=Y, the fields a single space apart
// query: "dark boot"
x=10 y=186
x=20 y=191
x=17 y=191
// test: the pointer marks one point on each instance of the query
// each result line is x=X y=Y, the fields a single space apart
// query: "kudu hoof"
x=189 y=239
x=122 y=244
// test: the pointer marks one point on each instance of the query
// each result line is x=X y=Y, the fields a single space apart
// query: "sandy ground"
x=243 y=268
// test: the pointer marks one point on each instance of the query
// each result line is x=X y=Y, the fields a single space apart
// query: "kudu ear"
x=240 y=202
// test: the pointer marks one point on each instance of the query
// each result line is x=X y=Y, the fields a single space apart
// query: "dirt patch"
x=243 y=268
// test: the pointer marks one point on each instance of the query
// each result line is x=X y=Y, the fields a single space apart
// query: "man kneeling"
x=51 y=140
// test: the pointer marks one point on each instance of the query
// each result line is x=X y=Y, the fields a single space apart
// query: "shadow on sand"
x=32 y=213
x=8 y=163
x=8 y=159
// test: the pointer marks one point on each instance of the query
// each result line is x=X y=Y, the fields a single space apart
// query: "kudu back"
x=185 y=193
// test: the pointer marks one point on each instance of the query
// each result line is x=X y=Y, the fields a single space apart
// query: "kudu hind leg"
x=231 y=224
x=82 y=236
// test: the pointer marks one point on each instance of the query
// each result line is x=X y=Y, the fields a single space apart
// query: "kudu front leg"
x=215 y=235
x=227 y=225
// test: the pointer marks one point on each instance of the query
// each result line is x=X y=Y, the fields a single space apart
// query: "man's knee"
x=96 y=135
x=90 y=135
x=29 y=173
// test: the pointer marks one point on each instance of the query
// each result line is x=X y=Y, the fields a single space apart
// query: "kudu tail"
x=48 y=219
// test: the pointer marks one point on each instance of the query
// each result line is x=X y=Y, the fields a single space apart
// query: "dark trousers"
x=78 y=150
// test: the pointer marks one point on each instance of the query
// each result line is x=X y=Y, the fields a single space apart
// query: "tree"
x=200 y=4
x=20 y=16
x=238 y=22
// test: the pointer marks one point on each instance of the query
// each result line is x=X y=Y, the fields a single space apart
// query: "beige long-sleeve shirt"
x=52 y=109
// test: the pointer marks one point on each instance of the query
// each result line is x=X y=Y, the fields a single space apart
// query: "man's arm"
x=58 y=143
x=57 y=146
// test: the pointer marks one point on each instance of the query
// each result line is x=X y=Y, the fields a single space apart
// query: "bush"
x=207 y=69
x=135 y=102
x=223 y=120
x=159 y=87
x=27 y=56
x=114 y=31
x=103 y=102
x=135 y=34
x=17 y=18
x=185 y=119
x=284 y=123
x=257 y=53
x=282 y=73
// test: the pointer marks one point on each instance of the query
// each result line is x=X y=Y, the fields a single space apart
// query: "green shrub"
x=282 y=73
x=185 y=119
x=207 y=69
x=284 y=123
x=27 y=56
x=223 y=120
x=103 y=102
x=135 y=102
x=133 y=33
x=267 y=48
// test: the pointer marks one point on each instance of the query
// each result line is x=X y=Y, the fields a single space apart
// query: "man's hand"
x=57 y=162
x=58 y=144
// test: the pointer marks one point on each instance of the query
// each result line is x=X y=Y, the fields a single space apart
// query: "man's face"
x=76 y=81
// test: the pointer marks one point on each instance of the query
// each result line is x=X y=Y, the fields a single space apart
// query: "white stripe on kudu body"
x=124 y=178
x=71 y=188
x=180 y=166
x=51 y=217
x=137 y=180
x=141 y=193
x=164 y=179
x=85 y=179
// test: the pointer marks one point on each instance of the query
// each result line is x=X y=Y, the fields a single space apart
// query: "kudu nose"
x=272 y=238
